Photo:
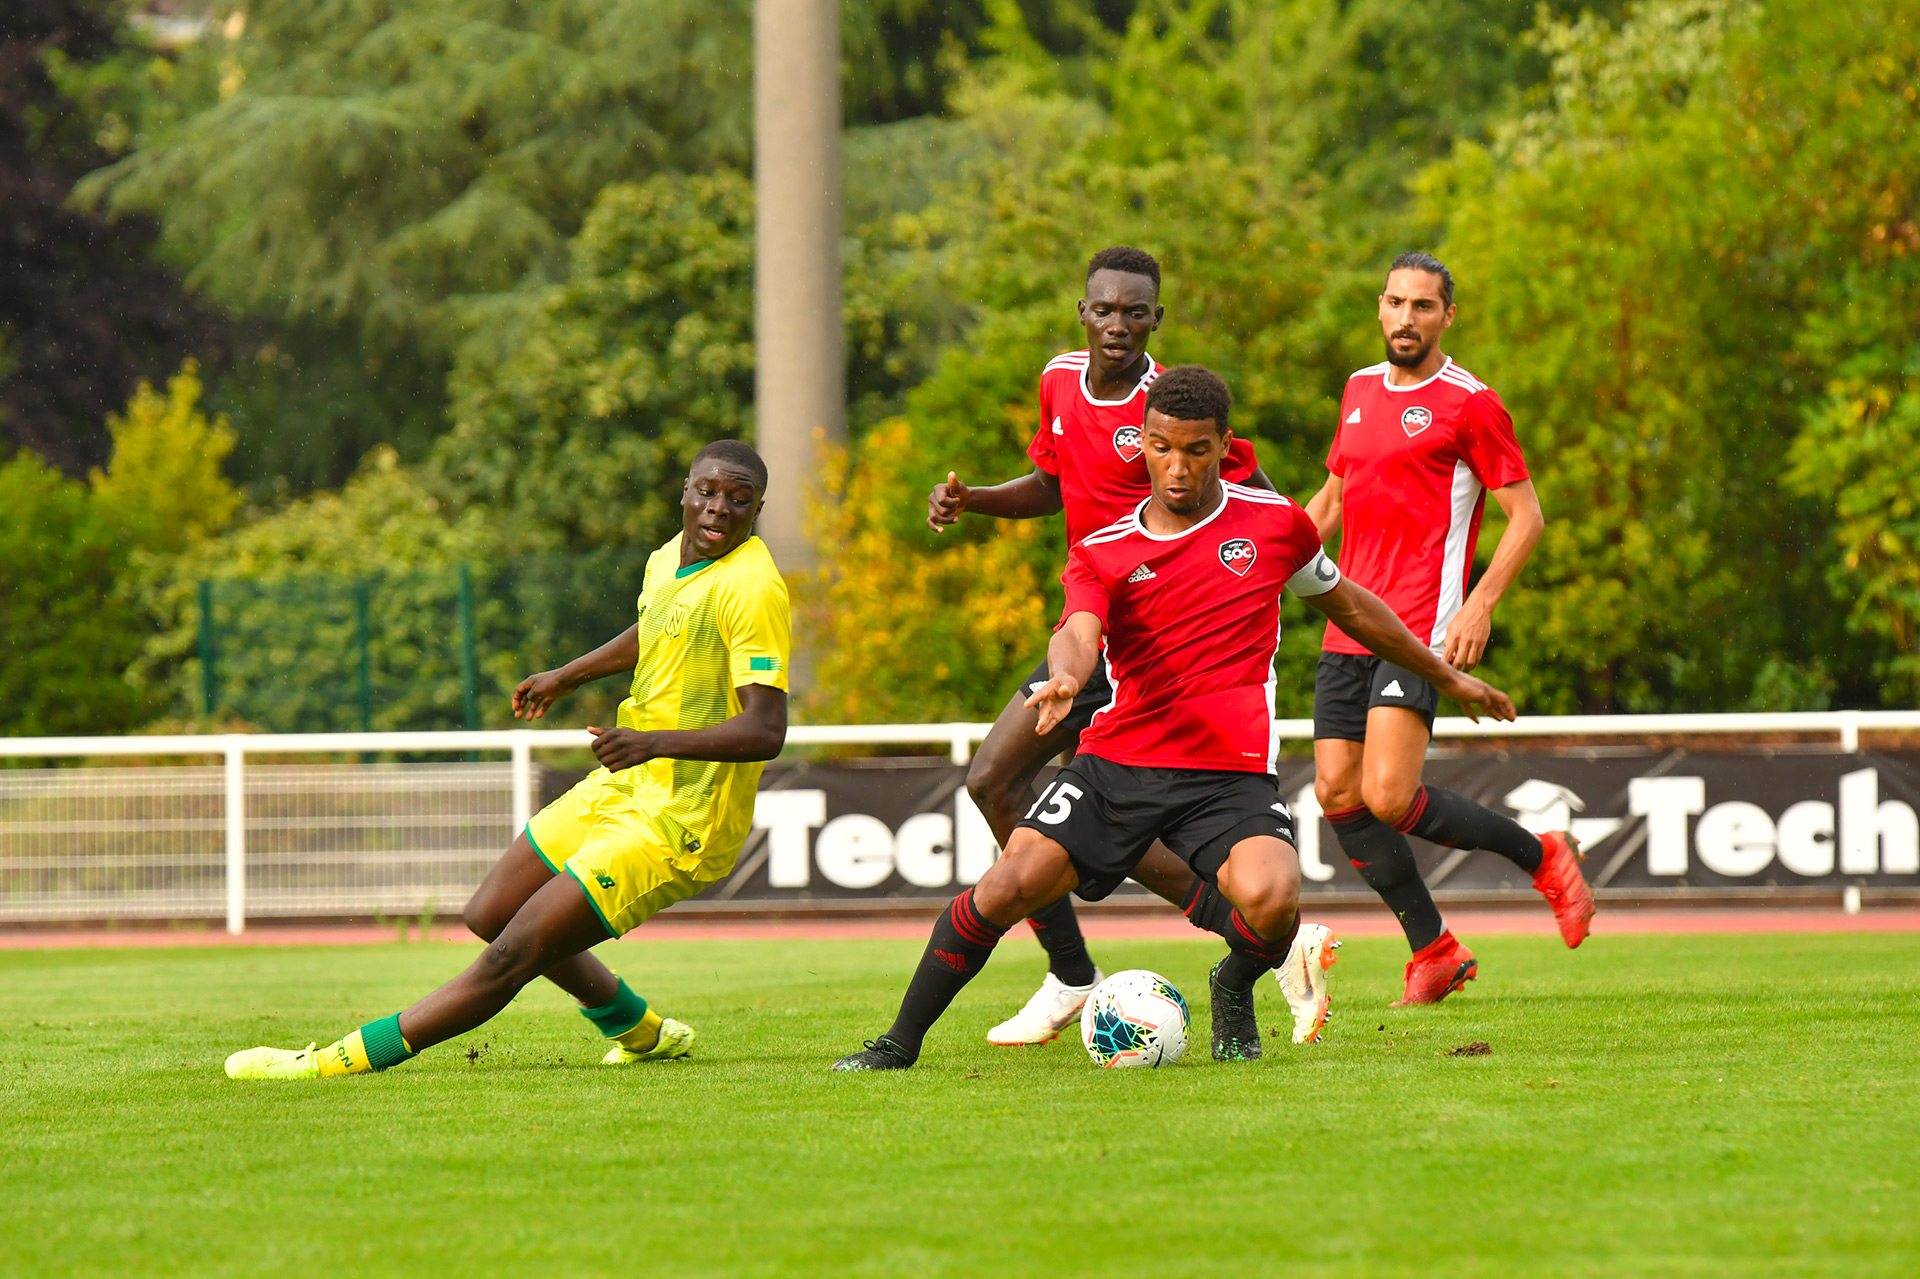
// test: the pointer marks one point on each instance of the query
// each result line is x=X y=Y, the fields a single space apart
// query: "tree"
x=88 y=312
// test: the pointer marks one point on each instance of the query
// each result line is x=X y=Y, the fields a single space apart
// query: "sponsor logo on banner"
x=1650 y=823
x=1126 y=442
x=1416 y=420
x=1238 y=554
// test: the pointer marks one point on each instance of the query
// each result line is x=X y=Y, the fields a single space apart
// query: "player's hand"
x=536 y=693
x=946 y=502
x=1467 y=638
x=1476 y=695
x=619 y=748
x=1055 y=700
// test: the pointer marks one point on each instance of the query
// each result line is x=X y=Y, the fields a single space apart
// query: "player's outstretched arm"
x=536 y=693
x=756 y=733
x=1361 y=614
x=1468 y=632
x=1071 y=656
x=1030 y=497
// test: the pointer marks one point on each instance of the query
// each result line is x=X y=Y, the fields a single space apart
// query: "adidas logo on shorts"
x=1392 y=689
x=1140 y=574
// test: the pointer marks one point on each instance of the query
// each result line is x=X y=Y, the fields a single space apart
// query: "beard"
x=1410 y=360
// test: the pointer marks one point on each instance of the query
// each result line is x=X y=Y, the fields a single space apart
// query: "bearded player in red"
x=1420 y=443
x=1183 y=596
x=1088 y=463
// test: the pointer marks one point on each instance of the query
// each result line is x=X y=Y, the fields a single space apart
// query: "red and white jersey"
x=1417 y=461
x=1192 y=620
x=1093 y=446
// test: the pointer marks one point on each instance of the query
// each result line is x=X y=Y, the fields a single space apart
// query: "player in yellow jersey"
x=665 y=814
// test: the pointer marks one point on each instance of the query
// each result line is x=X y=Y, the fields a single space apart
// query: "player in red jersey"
x=1087 y=463
x=1420 y=443
x=1183 y=594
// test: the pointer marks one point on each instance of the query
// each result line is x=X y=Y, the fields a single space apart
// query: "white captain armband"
x=1316 y=577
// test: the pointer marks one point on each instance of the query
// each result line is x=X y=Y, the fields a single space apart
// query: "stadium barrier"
x=253 y=839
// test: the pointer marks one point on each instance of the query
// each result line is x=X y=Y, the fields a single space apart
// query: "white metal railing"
x=230 y=816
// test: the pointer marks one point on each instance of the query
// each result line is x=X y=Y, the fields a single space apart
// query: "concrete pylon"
x=800 y=377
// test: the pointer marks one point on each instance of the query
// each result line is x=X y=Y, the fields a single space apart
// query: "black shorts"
x=1348 y=685
x=1107 y=815
x=1095 y=695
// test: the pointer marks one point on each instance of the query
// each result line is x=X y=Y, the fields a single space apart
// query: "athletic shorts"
x=1348 y=685
x=622 y=858
x=1107 y=815
x=1097 y=694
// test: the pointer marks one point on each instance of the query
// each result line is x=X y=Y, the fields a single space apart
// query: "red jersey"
x=1093 y=446
x=1192 y=620
x=1417 y=461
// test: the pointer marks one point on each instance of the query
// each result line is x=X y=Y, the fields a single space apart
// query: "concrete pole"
x=800 y=377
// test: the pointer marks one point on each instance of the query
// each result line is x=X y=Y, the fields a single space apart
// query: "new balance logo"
x=1392 y=689
x=1353 y=417
x=956 y=962
x=1140 y=574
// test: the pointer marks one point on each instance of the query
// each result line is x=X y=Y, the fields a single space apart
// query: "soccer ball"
x=1134 y=1018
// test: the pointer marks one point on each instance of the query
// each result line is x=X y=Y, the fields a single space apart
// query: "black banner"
x=1653 y=822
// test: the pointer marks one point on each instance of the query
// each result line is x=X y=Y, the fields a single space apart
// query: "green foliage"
x=165 y=476
x=375 y=162
x=580 y=409
x=69 y=629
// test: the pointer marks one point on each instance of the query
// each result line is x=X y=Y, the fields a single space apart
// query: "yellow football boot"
x=676 y=1040
x=275 y=1063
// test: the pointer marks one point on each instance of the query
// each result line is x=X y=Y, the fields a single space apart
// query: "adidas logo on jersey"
x=1140 y=574
x=1353 y=417
x=1392 y=689
x=1057 y=428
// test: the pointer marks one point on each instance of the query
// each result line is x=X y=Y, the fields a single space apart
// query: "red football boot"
x=1565 y=888
x=1437 y=970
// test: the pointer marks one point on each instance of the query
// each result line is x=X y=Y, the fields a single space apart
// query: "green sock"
x=384 y=1043
x=618 y=1016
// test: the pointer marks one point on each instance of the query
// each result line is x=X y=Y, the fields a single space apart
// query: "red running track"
x=1756 y=919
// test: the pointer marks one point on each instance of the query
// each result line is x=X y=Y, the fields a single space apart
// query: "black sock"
x=1448 y=817
x=1058 y=929
x=1207 y=909
x=962 y=942
x=1385 y=860
x=1251 y=955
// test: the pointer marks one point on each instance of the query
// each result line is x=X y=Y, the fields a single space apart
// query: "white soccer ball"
x=1134 y=1018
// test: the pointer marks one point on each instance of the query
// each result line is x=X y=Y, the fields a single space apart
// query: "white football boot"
x=1053 y=1008
x=1303 y=980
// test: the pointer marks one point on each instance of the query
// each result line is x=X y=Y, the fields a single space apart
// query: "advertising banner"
x=1651 y=821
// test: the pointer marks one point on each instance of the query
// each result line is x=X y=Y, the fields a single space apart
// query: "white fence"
x=261 y=839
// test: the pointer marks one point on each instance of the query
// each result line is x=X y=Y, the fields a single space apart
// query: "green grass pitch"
x=1708 y=1105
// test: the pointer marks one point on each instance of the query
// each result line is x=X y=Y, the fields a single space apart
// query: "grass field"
x=1686 y=1105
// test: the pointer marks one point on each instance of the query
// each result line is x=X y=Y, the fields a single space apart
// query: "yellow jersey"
x=705 y=630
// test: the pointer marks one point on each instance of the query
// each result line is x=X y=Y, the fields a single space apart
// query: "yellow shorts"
x=631 y=863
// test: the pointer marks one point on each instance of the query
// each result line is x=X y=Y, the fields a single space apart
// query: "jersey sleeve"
x=1086 y=592
x=1336 y=460
x=1488 y=442
x=759 y=631
x=1240 y=463
x=1041 y=450
x=1311 y=570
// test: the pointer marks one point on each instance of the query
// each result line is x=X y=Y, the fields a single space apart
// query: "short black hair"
x=1122 y=258
x=1191 y=393
x=1412 y=261
x=737 y=453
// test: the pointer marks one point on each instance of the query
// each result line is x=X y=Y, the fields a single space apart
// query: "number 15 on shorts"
x=1055 y=803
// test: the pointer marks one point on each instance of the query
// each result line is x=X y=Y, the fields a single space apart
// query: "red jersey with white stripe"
x=1192 y=620
x=1093 y=447
x=1417 y=461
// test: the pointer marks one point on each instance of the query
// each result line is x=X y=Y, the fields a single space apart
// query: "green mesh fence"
x=408 y=651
